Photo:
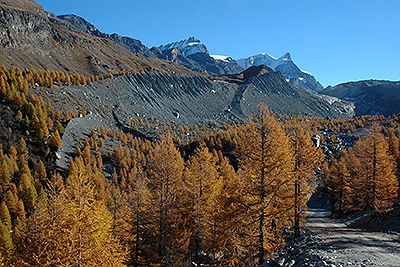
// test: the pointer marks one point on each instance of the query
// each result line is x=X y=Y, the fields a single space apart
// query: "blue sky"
x=336 y=40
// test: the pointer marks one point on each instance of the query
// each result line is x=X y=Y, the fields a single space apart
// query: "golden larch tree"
x=165 y=171
x=340 y=185
x=89 y=221
x=55 y=139
x=266 y=162
x=201 y=175
x=307 y=159
x=376 y=179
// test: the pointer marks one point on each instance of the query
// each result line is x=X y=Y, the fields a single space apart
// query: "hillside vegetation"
x=229 y=194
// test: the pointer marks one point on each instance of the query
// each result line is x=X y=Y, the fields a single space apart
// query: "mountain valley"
x=116 y=154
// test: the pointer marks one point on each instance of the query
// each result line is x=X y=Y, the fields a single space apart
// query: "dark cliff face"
x=17 y=25
x=370 y=97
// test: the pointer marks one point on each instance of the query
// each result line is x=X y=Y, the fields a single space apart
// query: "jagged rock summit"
x=300 y=78
x=263 y=59
x=189 y=46
x=82 y=25
x=192 y=49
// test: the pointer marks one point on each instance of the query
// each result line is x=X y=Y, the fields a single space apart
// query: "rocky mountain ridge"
x=194 y=55
x=192 y=48
x=370 y=97
x=190 y=53
x=33 y=38
x=132 y=44
x=197 y=52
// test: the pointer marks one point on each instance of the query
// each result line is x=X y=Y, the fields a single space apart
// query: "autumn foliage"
x=364 y=177
x=229 y=197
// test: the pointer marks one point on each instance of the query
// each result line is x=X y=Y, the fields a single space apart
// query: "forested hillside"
x=228 y=195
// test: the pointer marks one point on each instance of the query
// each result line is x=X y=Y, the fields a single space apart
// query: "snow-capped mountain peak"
x=287 y=67
x=188 y=47
x=286 y=57
x=194 y=50
x=222 y=58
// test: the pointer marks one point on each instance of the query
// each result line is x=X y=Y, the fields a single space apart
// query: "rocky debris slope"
x=261 y=84
x=345 y=106
x=330 y=242
x=79 y=129
x=370 y=97
x=284 y=100
x=182 y=100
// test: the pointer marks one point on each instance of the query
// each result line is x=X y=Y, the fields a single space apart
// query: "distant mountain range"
x=195 y=50
x=194 y=55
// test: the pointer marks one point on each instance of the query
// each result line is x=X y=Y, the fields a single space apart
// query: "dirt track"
x=344 y=246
